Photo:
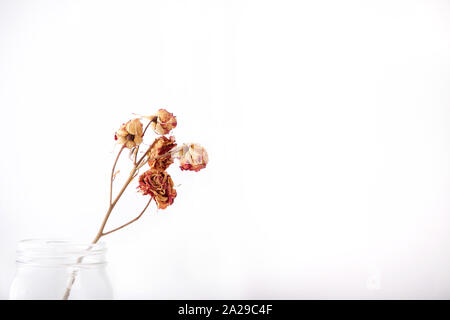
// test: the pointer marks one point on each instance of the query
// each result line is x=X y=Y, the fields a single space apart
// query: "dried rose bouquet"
x=155 y=182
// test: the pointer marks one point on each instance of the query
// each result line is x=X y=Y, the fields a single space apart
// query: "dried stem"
x=112 y=174
x=112 y=204
x=129 y=222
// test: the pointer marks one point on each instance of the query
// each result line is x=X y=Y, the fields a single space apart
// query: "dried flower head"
x=159 y=185
x=130 y=134
x=163 y=122
x=192 y=157
x=159 y=154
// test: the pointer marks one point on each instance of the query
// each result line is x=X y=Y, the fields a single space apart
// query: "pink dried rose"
x=159 y=185
x=192 y=157
x=159 y=156
x=163 y=121
x=130 y=134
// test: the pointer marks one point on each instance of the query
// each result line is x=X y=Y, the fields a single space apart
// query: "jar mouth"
x=60 y=252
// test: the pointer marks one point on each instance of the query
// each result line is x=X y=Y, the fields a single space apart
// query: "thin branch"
x=102 y=227
x=129 y=222
x=132 y=175
x=112 y=174
x=146 y=127
x=112 y=205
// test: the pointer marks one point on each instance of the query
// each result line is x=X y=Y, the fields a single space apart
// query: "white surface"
x=326 y=124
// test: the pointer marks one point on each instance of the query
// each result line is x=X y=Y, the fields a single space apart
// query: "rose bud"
x=159 y=154
x=163 y=122
x=192 y=157
x=130 y=134
x=159 y=185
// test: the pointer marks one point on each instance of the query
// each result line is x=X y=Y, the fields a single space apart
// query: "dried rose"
x=192 y=157
x=130 y=134
x=159 y=185
x=163 y=122
x=159 y=156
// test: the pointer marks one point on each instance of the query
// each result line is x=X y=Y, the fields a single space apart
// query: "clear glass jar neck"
x=60 y=253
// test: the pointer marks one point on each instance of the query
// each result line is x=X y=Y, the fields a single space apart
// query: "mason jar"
x=55 y=269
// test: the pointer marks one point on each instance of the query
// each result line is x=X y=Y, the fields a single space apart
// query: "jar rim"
x=57 y=251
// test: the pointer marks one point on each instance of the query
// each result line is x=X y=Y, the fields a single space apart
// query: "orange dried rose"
x=163 y=122
x=130 y=134
x=192 y=157
x=159 y=156
x=159 y=185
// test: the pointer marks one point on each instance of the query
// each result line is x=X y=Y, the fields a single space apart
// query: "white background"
x=326 y=122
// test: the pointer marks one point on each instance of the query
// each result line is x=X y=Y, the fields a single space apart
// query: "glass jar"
x=54 y=269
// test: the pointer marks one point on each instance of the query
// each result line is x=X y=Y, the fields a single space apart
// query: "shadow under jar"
x=47 y=268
